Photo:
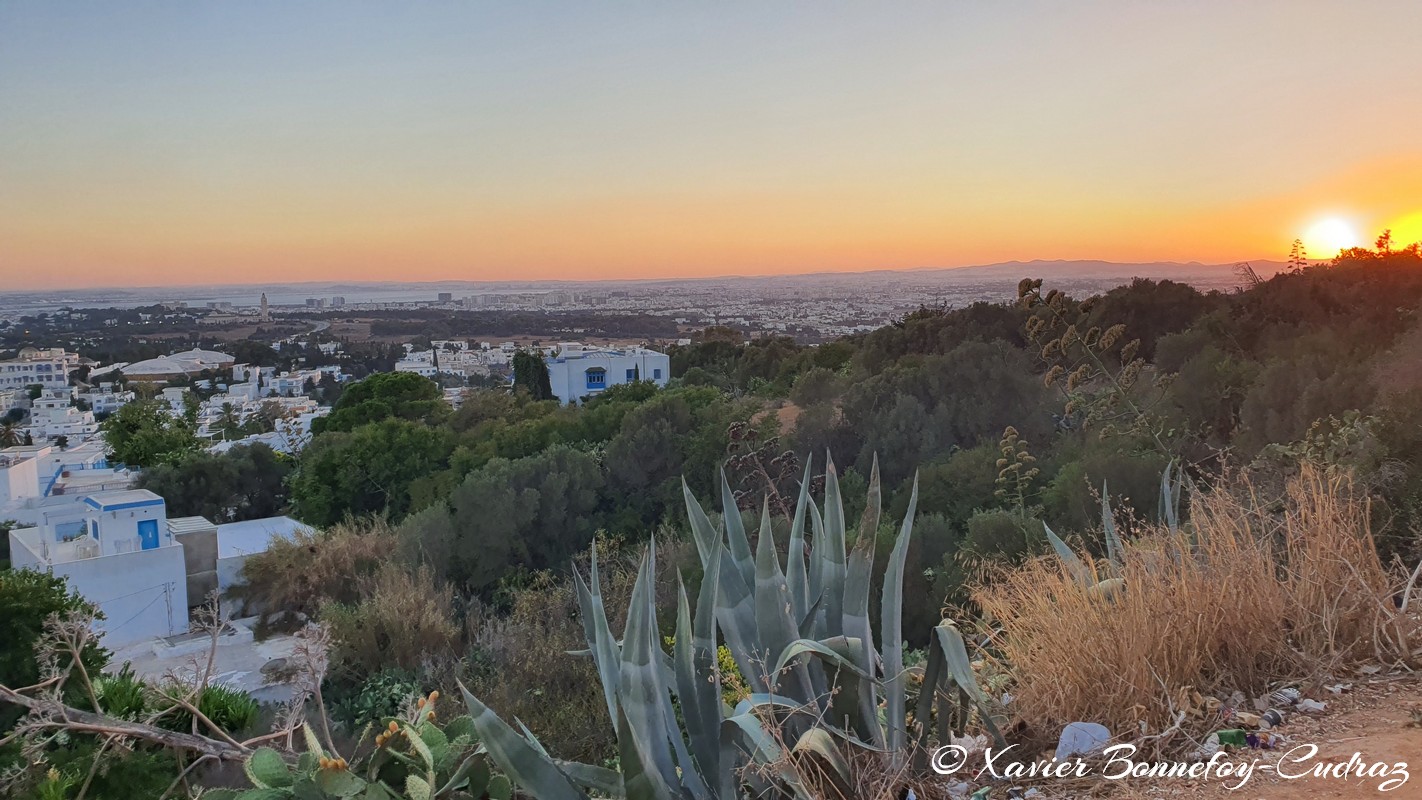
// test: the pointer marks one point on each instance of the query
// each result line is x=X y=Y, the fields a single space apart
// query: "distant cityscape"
x=812 y=307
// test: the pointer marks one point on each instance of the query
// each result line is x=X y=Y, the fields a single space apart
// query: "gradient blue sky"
x=166 y=143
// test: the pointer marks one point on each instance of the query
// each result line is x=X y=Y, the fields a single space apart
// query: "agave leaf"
x=869 y=520
x=856 y=626
x=516 y=758
x=736 y=533
x=641 y=693
x=955 y=656
x=796 y=576
x=746 y=733
x=819 y=742
x=735 y=613
x=1069 y=558
x=705 y=534
x=606 y=655
x=637 y=782
x=605 y=782
x=1169 y=499
x=933 y=676
x=841 y=651
x=1114 y=551
x=833 y=564
x=700 y=699
x=891 y=632
x=772 y=594
x=816 y=571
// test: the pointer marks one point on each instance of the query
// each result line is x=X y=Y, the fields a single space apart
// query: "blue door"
x=148 y=533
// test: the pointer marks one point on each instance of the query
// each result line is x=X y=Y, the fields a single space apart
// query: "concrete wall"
x=19 y=481
x=200 y=563
x=142 y=594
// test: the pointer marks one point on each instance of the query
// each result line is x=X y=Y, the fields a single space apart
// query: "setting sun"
x=1327 y=236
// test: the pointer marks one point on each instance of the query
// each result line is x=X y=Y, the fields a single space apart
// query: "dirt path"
x=1377 y=720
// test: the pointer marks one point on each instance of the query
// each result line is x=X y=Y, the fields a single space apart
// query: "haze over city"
x=153 y=144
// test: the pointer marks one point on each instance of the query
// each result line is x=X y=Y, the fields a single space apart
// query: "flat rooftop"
x=128 y=498
x=254 y=535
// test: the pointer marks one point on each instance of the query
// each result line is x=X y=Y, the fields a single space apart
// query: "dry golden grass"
x=1283 y=589
x=406 y=619
x=297 y=575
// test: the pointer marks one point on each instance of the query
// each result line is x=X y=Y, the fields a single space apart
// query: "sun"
x=1327 y=236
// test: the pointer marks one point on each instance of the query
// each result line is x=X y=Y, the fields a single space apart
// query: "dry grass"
x=299 y=574
x=1284 y=589
x=406 y=619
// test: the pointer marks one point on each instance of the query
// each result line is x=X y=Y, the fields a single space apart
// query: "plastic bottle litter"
x=1231 y=736
x=1082 y=738
x=1313 y=706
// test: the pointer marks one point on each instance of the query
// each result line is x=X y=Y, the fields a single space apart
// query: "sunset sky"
x=249 y=142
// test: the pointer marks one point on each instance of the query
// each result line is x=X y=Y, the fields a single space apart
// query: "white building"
x=53 y=414
x=105 y=399
x=578 y=371
x=48 y=368
x=120 y=555
x=179 y=365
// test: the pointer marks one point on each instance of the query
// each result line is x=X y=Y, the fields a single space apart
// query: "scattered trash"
x=911 y=795
x=1233 y=737
x=1082 y=738
x=982 y=793
x=1285 y=697
x=1006 y=698
x=1272 y=718
x=1312 y=706
x=1339 y=688
x=1246 y=719
x=958 y=790
x=1263 y=740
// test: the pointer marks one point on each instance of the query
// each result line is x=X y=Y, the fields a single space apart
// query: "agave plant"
x=801 y=636
x=1172 y=488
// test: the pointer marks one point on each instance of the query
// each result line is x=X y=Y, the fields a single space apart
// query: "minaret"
x=266 y=313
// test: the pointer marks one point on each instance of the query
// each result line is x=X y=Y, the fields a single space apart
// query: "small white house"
x=120 y=555
x=577 y=371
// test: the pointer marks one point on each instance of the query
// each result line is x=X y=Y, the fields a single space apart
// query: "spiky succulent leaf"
x=1114 y=551
x=819 y=742
x=736 y=533
x=797 y=579
x=960 y=669
x=891 y=633
x=641 y=694
x=516 y=758
x=1070 y=559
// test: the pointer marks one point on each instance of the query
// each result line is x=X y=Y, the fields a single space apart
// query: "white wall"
x=567 y=377
x=142 y=595
x=19 y=481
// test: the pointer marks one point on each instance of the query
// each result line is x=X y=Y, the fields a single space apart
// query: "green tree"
x=401 y=395
x=531 y=374
x=367 y=470
x=535 y=512
x=144 y=434
x=247 y=482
